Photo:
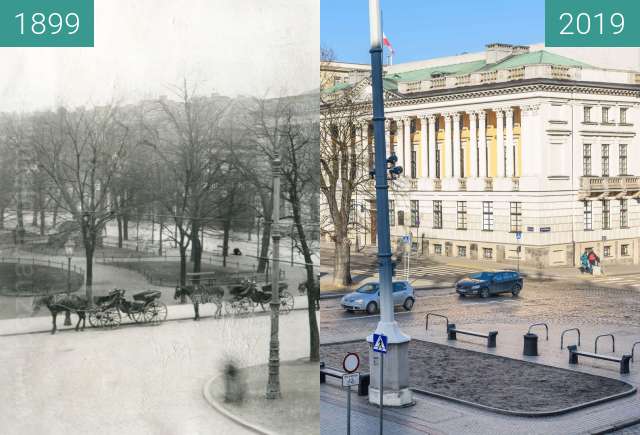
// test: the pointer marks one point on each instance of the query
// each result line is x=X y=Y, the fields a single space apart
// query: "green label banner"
x=592 y=23
x=46 y=23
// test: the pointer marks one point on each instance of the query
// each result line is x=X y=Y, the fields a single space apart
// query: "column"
x=432 y=146
x=510 y=172
x=445 y=152
x=399 y=149
x=500 y=142
x=482 y=144
x=456 y=146
x=408 y=146
x=532 y=143
x=473 y=143
x=387 y=136
x=424 y=146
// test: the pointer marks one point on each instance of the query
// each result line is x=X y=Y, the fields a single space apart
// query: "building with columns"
x=513 y=153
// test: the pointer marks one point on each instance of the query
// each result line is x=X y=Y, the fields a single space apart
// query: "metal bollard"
x=530 y=345
x=451 y=331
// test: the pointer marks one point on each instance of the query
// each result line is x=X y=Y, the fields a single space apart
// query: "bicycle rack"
x=565 y=331
x=540 y=324
x=634 y=348
x=613 y=342
x=437 y=315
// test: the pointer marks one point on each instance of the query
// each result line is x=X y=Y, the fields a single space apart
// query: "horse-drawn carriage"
x=144 y=308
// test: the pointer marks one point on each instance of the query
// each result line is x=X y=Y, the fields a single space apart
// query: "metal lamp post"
x=68 y=250
x=396 y=366
x=273 y=383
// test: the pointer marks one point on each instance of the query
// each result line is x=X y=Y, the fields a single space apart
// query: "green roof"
x=336 y=88
x=535 y=58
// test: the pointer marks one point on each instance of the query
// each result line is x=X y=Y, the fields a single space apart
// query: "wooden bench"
x=363 y=388
x=490 y=336
x=622 y=360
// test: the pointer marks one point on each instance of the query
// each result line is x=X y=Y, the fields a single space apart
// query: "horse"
x=65 y=303
x=303 y=288
x=200 y=294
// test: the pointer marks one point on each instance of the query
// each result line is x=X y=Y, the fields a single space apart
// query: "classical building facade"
x=512 y=154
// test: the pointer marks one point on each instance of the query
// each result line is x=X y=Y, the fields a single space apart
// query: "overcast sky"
x=233 y=47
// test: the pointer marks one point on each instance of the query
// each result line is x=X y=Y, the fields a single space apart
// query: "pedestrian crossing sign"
x=379 y=343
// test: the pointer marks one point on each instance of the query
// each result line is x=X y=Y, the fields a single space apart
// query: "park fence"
x=40 y=262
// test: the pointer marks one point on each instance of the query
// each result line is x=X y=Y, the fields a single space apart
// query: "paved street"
x=132 y=380
x=596 y=305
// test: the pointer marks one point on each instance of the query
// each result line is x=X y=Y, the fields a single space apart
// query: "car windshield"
x=482 y=275
x=368 y=288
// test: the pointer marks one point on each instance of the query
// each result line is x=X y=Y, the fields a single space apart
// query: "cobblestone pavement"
x=562 y=304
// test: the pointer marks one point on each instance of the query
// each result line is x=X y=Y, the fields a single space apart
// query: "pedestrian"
x=584 y=261
x=593 y=260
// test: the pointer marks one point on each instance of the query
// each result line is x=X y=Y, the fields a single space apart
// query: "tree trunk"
x=89 y=249
x=225 y=242
x=342 y=261
x=125 y=227
x=2 y=218
x=183 y=264
x=160 y=239
x=42 y=221
x=34 y=218
x=196 y=250
x=119 y=221
x=313 y=290
x=55 y=215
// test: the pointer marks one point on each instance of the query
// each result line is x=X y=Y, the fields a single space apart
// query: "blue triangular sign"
x=379 y=343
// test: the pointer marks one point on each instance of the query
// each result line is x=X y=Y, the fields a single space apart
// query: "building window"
x=415 y=214
x=588 y=216
x=624 y=214
x=516 y=216
x=487 y=216
x=624 y=250
x=623 y=115
x=462 y=251
x=401 y=218
x=437 y=214
x=605 y=115
x=487 y=253
x=606 y=251
x=412 y=126
x=462 y=215
x=606 y=214
x=437 y=249
x=392 y=213
x=605 y=160
x=414 y=163
x=587 y=114
x=623 y=159
x=586 y=159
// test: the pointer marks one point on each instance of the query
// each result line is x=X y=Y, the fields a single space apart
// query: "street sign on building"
x=518 y=235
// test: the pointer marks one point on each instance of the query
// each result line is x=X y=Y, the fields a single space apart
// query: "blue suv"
x=367 y=297
x=490 y=283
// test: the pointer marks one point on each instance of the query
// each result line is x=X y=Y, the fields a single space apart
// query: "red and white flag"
x=386 y=42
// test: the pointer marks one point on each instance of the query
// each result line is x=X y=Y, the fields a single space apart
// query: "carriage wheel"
x=286 y=302
x=138 y=316
x=155 y=312
x=110 y=318
x=95 y=318
x=243 y=307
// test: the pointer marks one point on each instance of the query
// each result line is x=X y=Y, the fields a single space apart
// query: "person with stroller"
x=594 y=261
x=584 y=262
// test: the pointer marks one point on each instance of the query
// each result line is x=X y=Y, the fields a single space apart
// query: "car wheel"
x=372 y=308
x=408 y=304
x=484 y=293
x=462 y=295
x=349 y=311
x=515 y=290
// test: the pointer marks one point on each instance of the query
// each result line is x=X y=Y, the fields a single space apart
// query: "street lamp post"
x=273 y=383
x=396 y=368
x=68 y=250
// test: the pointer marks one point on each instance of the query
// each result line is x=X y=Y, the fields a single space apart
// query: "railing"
x=560 y=72
x=413 y=184
x=515 y=184
x=488 y=184
x=613 y=342
x=437 y=184
x=413 y=86
x=564 y=332
x=440 y=82
x=516 y=73
x=37 y=262
x=604 y=184
x=464 y=80
x=435 y=315
x=488 y=77
x=540 y=324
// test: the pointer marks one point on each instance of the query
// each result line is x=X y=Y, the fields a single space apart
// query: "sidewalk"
x=440 y=416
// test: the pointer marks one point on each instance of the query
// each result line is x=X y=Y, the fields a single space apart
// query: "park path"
x=132 y=380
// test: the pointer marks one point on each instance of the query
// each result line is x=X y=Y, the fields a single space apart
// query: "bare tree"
x=81 y=152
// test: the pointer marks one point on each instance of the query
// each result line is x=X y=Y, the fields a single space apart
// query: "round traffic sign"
x=351 y=362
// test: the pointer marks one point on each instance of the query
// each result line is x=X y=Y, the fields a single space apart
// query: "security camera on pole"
x=396 y=364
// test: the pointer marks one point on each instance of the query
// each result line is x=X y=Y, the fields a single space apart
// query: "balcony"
x=609 y=187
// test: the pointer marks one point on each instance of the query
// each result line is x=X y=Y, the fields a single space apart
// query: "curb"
x=214 y=404
x=618 y=426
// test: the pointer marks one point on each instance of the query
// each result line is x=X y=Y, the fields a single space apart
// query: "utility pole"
x=397 y=392
x=273 y=384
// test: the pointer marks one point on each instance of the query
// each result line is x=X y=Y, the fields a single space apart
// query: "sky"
x=143 y=47
x=423 y=29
